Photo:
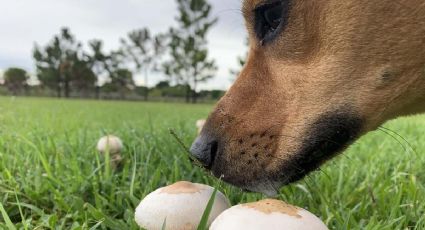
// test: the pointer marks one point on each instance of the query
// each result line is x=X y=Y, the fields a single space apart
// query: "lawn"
x=51 y=176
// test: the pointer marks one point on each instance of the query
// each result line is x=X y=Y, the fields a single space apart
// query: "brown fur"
x=365 y=55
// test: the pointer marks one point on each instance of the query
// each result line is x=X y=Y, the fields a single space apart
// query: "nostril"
x=205 y=150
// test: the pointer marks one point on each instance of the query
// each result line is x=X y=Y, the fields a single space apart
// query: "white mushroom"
x=200 y=124
x=110 y=144
x=179 y=205
x=267 y=214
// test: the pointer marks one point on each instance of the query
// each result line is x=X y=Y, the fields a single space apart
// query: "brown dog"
x=320 y=74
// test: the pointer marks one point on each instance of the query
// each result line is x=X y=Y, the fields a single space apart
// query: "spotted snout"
x=262 y=160
x=250 y=148
x=240 y=158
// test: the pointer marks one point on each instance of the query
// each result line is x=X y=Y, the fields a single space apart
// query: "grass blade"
x=203 y=224
x=6 y=218
x=186 y=149
x=164 y=225
x=96 y=225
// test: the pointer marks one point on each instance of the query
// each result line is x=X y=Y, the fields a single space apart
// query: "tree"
x=62 y=64
x=121 y=82
x=120 y=78
x=162 y=85
x=98 y=61
x=189 y=62
x=82 y=77
x=15 y=79
x=144 y=51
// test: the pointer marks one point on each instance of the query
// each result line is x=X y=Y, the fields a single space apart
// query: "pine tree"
x=189 y=62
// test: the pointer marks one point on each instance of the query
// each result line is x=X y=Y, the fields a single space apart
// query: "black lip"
x=328 y=136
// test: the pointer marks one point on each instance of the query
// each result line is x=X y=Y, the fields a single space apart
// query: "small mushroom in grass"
x=179 y=205
x=112 y=145
x=267 y=214
x=200 y=124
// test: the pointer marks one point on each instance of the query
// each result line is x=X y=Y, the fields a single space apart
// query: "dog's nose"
x=204 y=149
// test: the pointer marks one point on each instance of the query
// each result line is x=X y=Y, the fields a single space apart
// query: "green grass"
x=51 y=177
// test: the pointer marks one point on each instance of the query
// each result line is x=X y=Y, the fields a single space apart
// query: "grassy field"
x=51 y=176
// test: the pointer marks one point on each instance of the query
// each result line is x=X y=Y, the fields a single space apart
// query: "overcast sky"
x=25 y=22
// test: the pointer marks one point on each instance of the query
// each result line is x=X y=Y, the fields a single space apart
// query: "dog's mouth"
x=324 y=139
x=328 y=136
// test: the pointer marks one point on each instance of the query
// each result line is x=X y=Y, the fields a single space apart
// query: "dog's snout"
x=204 y=149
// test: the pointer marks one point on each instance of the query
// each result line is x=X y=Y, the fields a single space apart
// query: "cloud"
x=26 y=22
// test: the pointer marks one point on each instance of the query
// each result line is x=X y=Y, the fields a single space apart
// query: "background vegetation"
x=65 y=67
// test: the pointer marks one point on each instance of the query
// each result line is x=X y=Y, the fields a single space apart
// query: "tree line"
x=65 y=68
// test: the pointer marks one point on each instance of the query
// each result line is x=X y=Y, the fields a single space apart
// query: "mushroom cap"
x=267 y=214
x=180 y=205
x=109 y=143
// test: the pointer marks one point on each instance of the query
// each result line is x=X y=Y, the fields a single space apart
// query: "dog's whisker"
x=393 y=137
x=230 y=10
x=399 y=135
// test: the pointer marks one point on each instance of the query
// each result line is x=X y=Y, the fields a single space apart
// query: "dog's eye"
x=269 y=19
x=273 y=16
